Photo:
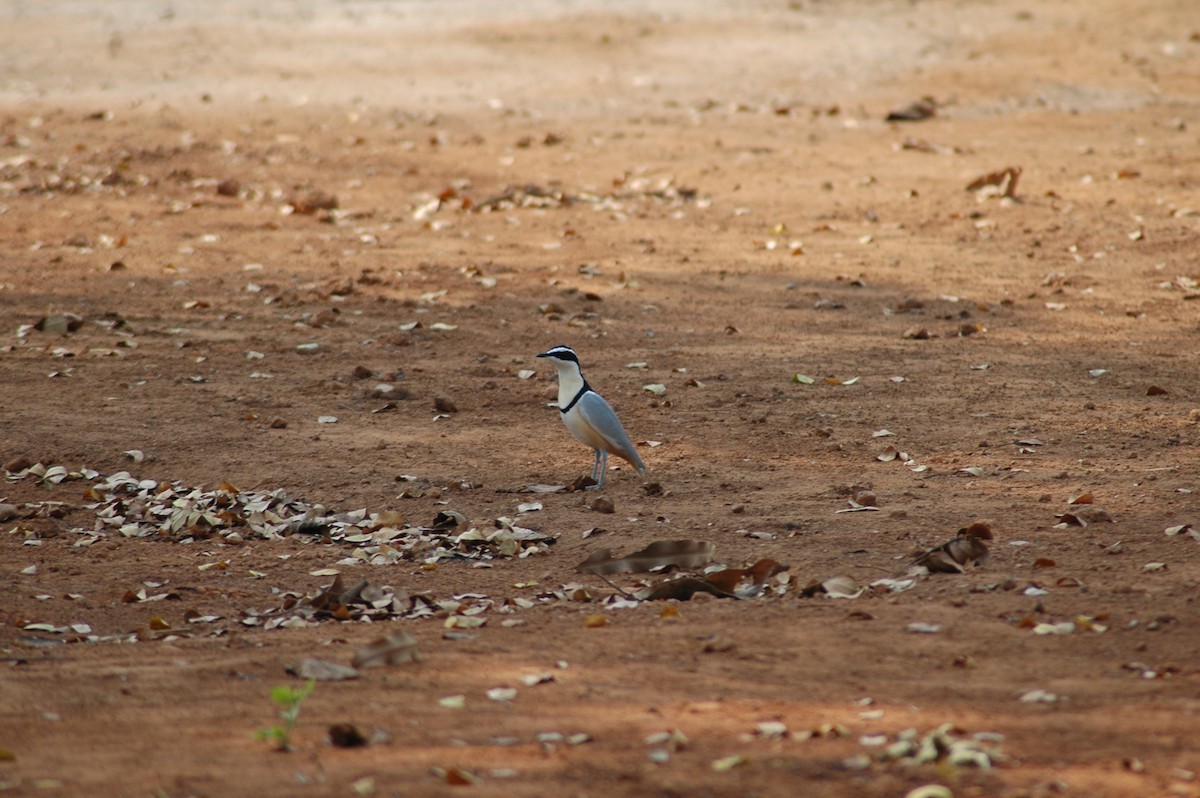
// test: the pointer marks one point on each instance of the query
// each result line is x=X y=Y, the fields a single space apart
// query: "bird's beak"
x=544 y=354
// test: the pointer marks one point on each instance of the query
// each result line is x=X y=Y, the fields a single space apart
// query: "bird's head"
x=562 y=357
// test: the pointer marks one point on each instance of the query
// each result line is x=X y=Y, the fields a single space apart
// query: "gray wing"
x=603 y=419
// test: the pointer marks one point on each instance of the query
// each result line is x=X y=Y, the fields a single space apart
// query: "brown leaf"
x=457 y=777
x=683 y=590
x=915 y=111
x=581 y=483
x=728 y=579
x=447 y=520
x=396 y=648
x=328 y=598
x=1002 y=182
x=1084 y=514
x=1044 y=562
x=660 y=553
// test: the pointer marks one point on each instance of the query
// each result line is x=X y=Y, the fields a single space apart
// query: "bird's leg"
x=598 y=470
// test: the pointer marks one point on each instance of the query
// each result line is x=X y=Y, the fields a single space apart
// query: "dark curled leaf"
x=683 y=590
x=915 y=111
x=1002 y=182
x=448 y=519
x=328 y=598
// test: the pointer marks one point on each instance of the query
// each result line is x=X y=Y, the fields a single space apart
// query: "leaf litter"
x=131 y=507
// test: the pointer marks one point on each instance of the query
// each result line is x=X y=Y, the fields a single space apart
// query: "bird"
x=589 y=417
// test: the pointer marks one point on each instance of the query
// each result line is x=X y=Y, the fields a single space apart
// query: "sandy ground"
x=288 y=264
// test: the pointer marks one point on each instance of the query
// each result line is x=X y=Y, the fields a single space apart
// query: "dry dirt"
x=712 y=192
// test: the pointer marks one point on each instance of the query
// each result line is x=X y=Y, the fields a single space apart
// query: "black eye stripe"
x=562 y=353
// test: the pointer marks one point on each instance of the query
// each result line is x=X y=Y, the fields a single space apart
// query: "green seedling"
x=289 y=700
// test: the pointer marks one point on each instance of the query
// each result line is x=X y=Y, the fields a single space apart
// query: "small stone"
x=444 y=404
x=917 y=334
x=278 y=423
x=19 y=463
x=346 y=735
x=314 y=201
x=8 y=512
x=229 y=187
x=362 y=373
x=602 y=504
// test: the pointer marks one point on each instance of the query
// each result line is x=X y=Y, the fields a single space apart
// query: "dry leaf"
x=837 y=587
x=730 y=578
x=1182 y=529
x=728 y=763
x=771 y=730
x=61 y=323
x=924 y=628
x=502 y=693
x=915 y=111
x=1001 y=183
x=683 y=590
x=1084 y=514
x=457 y=777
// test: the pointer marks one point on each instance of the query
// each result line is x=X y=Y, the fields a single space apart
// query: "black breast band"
x=575 y=401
